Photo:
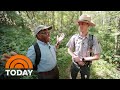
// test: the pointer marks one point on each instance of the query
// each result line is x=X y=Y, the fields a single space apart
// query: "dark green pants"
x=84 y=71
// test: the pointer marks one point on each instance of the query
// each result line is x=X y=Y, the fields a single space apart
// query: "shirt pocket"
x=78 y=43
x=85 y=45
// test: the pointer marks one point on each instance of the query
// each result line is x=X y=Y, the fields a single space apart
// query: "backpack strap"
x=90 y=43
x=38 y=55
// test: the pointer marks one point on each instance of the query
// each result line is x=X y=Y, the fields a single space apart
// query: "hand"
x=13 y=53
x=81 y=63
x=59 y=39
x=76 y=58
x=7 y=56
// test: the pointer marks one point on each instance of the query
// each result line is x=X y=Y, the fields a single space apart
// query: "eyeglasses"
x=45 y=33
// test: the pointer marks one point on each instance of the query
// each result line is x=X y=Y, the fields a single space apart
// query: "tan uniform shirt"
x=80 y=45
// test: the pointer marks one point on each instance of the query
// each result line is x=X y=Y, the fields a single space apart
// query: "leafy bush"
x=15 y=39
x=103 y=70
x=64 y=60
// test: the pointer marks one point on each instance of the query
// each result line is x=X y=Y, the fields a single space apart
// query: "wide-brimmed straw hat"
x=86 y=19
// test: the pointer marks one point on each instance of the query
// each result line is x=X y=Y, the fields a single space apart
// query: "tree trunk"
x=53 y=20
x=61 y=19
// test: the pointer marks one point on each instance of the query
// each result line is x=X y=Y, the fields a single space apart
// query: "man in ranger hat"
x=79 y=49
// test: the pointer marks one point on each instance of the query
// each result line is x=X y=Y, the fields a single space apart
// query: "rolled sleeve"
x=31 y=54
x=71 y=42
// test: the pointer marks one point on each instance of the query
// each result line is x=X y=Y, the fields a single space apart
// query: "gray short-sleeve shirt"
x=80 y=45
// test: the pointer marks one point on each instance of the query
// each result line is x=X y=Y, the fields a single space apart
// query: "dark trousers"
x=84 y=71
x=53 y=74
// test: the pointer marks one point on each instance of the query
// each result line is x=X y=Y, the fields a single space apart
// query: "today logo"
x=19 y=65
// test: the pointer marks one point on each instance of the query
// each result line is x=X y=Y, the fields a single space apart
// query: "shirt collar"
x=40 y=42
x=87 y=36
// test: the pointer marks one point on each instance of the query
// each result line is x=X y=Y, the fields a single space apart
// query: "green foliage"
x=103 y=70
x=93 y=30
x=15 y=39
x=64 y=61
x=14 y=18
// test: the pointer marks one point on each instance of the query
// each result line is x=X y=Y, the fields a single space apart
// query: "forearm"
x=71 y=52
x=95 y=57
x=57 y=45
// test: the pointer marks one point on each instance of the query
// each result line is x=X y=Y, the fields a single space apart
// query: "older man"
x=78 y=48
x=47 y=68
